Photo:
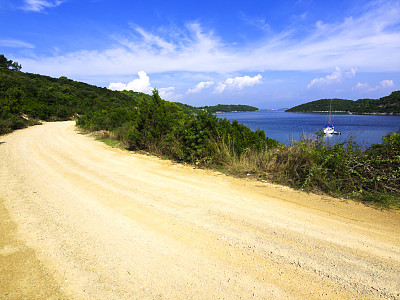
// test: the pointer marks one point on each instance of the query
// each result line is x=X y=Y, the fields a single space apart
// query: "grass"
x=110 y=142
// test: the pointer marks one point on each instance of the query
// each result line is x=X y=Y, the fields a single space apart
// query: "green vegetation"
x=26 y=98
x=161 y=127
x=217 y=108
x=139 y=121
x=228 y=108
x=343 y=170
x=385 y=105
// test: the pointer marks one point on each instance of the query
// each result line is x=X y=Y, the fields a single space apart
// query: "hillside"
x=229 y=108
x=217 y=108
x=385 y=105
x=26 y=98
x=323 y=106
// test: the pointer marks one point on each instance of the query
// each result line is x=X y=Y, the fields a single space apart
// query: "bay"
x=287 y=127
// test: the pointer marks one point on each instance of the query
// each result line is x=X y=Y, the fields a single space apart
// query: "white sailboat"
x=330 y=129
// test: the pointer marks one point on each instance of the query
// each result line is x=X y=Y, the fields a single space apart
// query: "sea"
x=288 y=127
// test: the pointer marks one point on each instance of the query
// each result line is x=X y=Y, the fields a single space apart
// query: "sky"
x=270 y=54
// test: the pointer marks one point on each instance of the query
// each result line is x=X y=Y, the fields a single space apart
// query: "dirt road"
x=80 y=220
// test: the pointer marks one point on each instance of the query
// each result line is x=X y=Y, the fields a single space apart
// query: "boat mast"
x=330 y=110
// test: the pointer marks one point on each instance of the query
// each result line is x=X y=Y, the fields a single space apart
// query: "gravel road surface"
x=81 y=220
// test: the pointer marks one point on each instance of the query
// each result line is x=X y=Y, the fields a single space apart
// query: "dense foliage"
x=344 y=169
x=26 y=97
x=217 y=108
x=385 y=105
x=162 y=127
x=228 y=108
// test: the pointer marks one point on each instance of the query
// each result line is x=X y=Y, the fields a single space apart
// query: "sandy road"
x=80 y=220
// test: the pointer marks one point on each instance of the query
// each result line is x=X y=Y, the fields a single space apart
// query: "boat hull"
x=329 y=130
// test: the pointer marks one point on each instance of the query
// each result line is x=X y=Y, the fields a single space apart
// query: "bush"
x=344 y=169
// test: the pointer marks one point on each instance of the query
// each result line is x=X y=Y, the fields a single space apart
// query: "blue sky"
x=271 y=54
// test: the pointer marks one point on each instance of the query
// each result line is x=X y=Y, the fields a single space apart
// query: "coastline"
x=348 y=112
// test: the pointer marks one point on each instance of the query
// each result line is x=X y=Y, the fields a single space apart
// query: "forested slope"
x=26 y=97
x=229 y=108
x=385 y=105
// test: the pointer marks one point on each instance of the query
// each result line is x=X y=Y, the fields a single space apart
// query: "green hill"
x=26 y=97
x=385 y=105
x=217 y=108
x=229 y=108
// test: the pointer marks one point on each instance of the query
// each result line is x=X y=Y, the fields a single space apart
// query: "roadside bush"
x=5 y=126
x=344 y=169
x=11 y=122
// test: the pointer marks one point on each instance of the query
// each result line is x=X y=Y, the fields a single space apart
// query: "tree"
x=9 y=64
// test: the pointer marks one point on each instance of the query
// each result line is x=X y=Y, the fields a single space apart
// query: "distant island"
x=388 y=105
x=219 y=108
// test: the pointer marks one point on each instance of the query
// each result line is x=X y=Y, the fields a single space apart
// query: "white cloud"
x=152 y=40
x=200 y=86
x=117 y=86
x=328 y=79
x=260 y=24
x=382 y=85
x=335 y=76
x=12 y=43
x=40 y=5
x=362 y=86
x=386 y=83
x=369 y=40
x=219 y=88
x=237 y=83
x=141 y=84
x=351 y=73
x=241 y=82
x=167 y=93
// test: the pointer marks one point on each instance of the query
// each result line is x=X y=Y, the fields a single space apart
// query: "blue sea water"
x=286 y=127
